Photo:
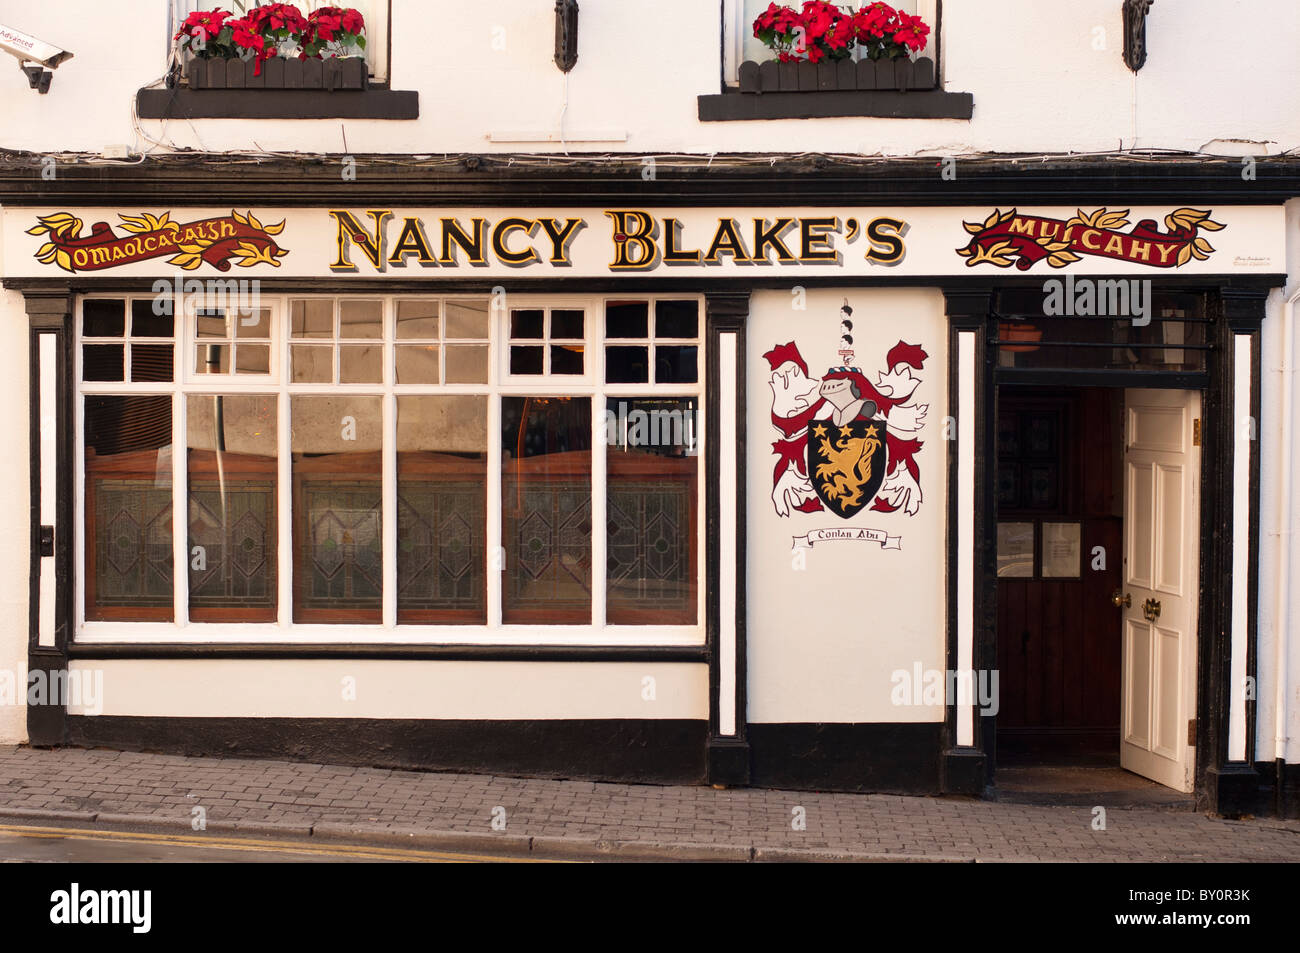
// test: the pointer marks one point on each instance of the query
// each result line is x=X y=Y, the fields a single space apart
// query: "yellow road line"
x=253 y=844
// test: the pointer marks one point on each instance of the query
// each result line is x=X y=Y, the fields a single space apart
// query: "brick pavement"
x=582 y=817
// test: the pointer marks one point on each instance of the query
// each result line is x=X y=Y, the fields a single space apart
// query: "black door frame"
x=1237 y=308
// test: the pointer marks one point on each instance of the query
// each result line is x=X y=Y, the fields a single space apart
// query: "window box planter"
x=899 y=75
x=340 y=73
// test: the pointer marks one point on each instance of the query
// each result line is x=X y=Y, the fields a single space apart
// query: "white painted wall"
x=14 y=520
x=294 y=688
x=822 y=642
x=1279 y=557
x=1039 y=82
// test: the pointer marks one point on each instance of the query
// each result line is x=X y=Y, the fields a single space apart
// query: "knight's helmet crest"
x=847 y=450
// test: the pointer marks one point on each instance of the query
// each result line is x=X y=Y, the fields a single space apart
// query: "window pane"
x=417 y=318
x=651 y=506
x=361 y=319
x=627 y=319
x=253 y=359
x=677 y=319
x=101 y=362
x=526 y=360
x=676 y=364
x=312 y=365
x=151 y=362
x=253 y=323
x=311 y=318
x=210 y=324
x=467 y=319
x=467 y=365
x=441 y=509
x=1175 y=337
x=212 y=359
x=627 y=365
x=417 y=364
x=567 y=324
x=526 y=324
x=566 y=359
x=232 y=507
x=145 y=323
x=361 y=364
x=337 y=534
x=546 y=509
x=103 y=318
x=129 y=508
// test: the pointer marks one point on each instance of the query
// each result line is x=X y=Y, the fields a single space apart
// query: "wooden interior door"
x=1059 y=551
x=1161 y=551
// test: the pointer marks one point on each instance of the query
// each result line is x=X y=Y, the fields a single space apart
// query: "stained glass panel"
x=546 y=509
x=337 y=507
x=650 y=528
x=128 y=508
x=232 y=507
x=441 y=509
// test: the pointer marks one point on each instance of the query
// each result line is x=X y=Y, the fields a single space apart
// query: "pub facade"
x=678 y=443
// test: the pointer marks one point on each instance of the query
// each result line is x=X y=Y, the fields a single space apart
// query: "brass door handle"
x=1121 y=600
x=1151 y=609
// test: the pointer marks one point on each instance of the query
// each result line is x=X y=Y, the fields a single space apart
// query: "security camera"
x=28 y=49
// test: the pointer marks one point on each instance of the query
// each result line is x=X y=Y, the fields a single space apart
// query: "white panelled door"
x=1159 y=599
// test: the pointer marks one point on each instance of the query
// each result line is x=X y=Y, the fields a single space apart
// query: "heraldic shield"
x=846 y=462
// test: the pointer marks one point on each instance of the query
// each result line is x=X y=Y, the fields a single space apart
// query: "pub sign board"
x=602 y=242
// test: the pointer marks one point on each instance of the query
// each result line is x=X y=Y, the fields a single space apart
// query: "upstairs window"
x=376 y=14
x=739 y=43
x=214 y=71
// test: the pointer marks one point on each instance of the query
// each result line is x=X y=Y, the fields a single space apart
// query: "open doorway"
x=1097 y=502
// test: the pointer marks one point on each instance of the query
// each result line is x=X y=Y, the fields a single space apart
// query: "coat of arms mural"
x=847 y=442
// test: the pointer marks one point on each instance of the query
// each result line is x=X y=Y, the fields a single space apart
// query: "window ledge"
x=373 y=103
x=824 y=104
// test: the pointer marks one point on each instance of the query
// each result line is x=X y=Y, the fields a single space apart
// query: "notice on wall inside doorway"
x=1060 y=556
x=1015 y=549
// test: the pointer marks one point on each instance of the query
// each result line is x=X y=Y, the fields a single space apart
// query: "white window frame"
x=735 y=28
x=280 y=384
x=593 y=310
x=187 y=312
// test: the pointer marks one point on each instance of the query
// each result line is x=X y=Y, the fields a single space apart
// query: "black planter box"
x=775 y=77
x=342 y=73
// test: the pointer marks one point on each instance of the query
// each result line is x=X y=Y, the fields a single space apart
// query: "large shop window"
x=412 y=468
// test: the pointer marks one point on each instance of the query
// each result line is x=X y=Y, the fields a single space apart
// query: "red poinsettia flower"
x=353 y=21
x=840 y=34
x=245 y=36
x=875 y=20
x=247 y=39
x=818 y=16
x=206 y=23
x=276 y=16
x=325 y=25
x=911 y=32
